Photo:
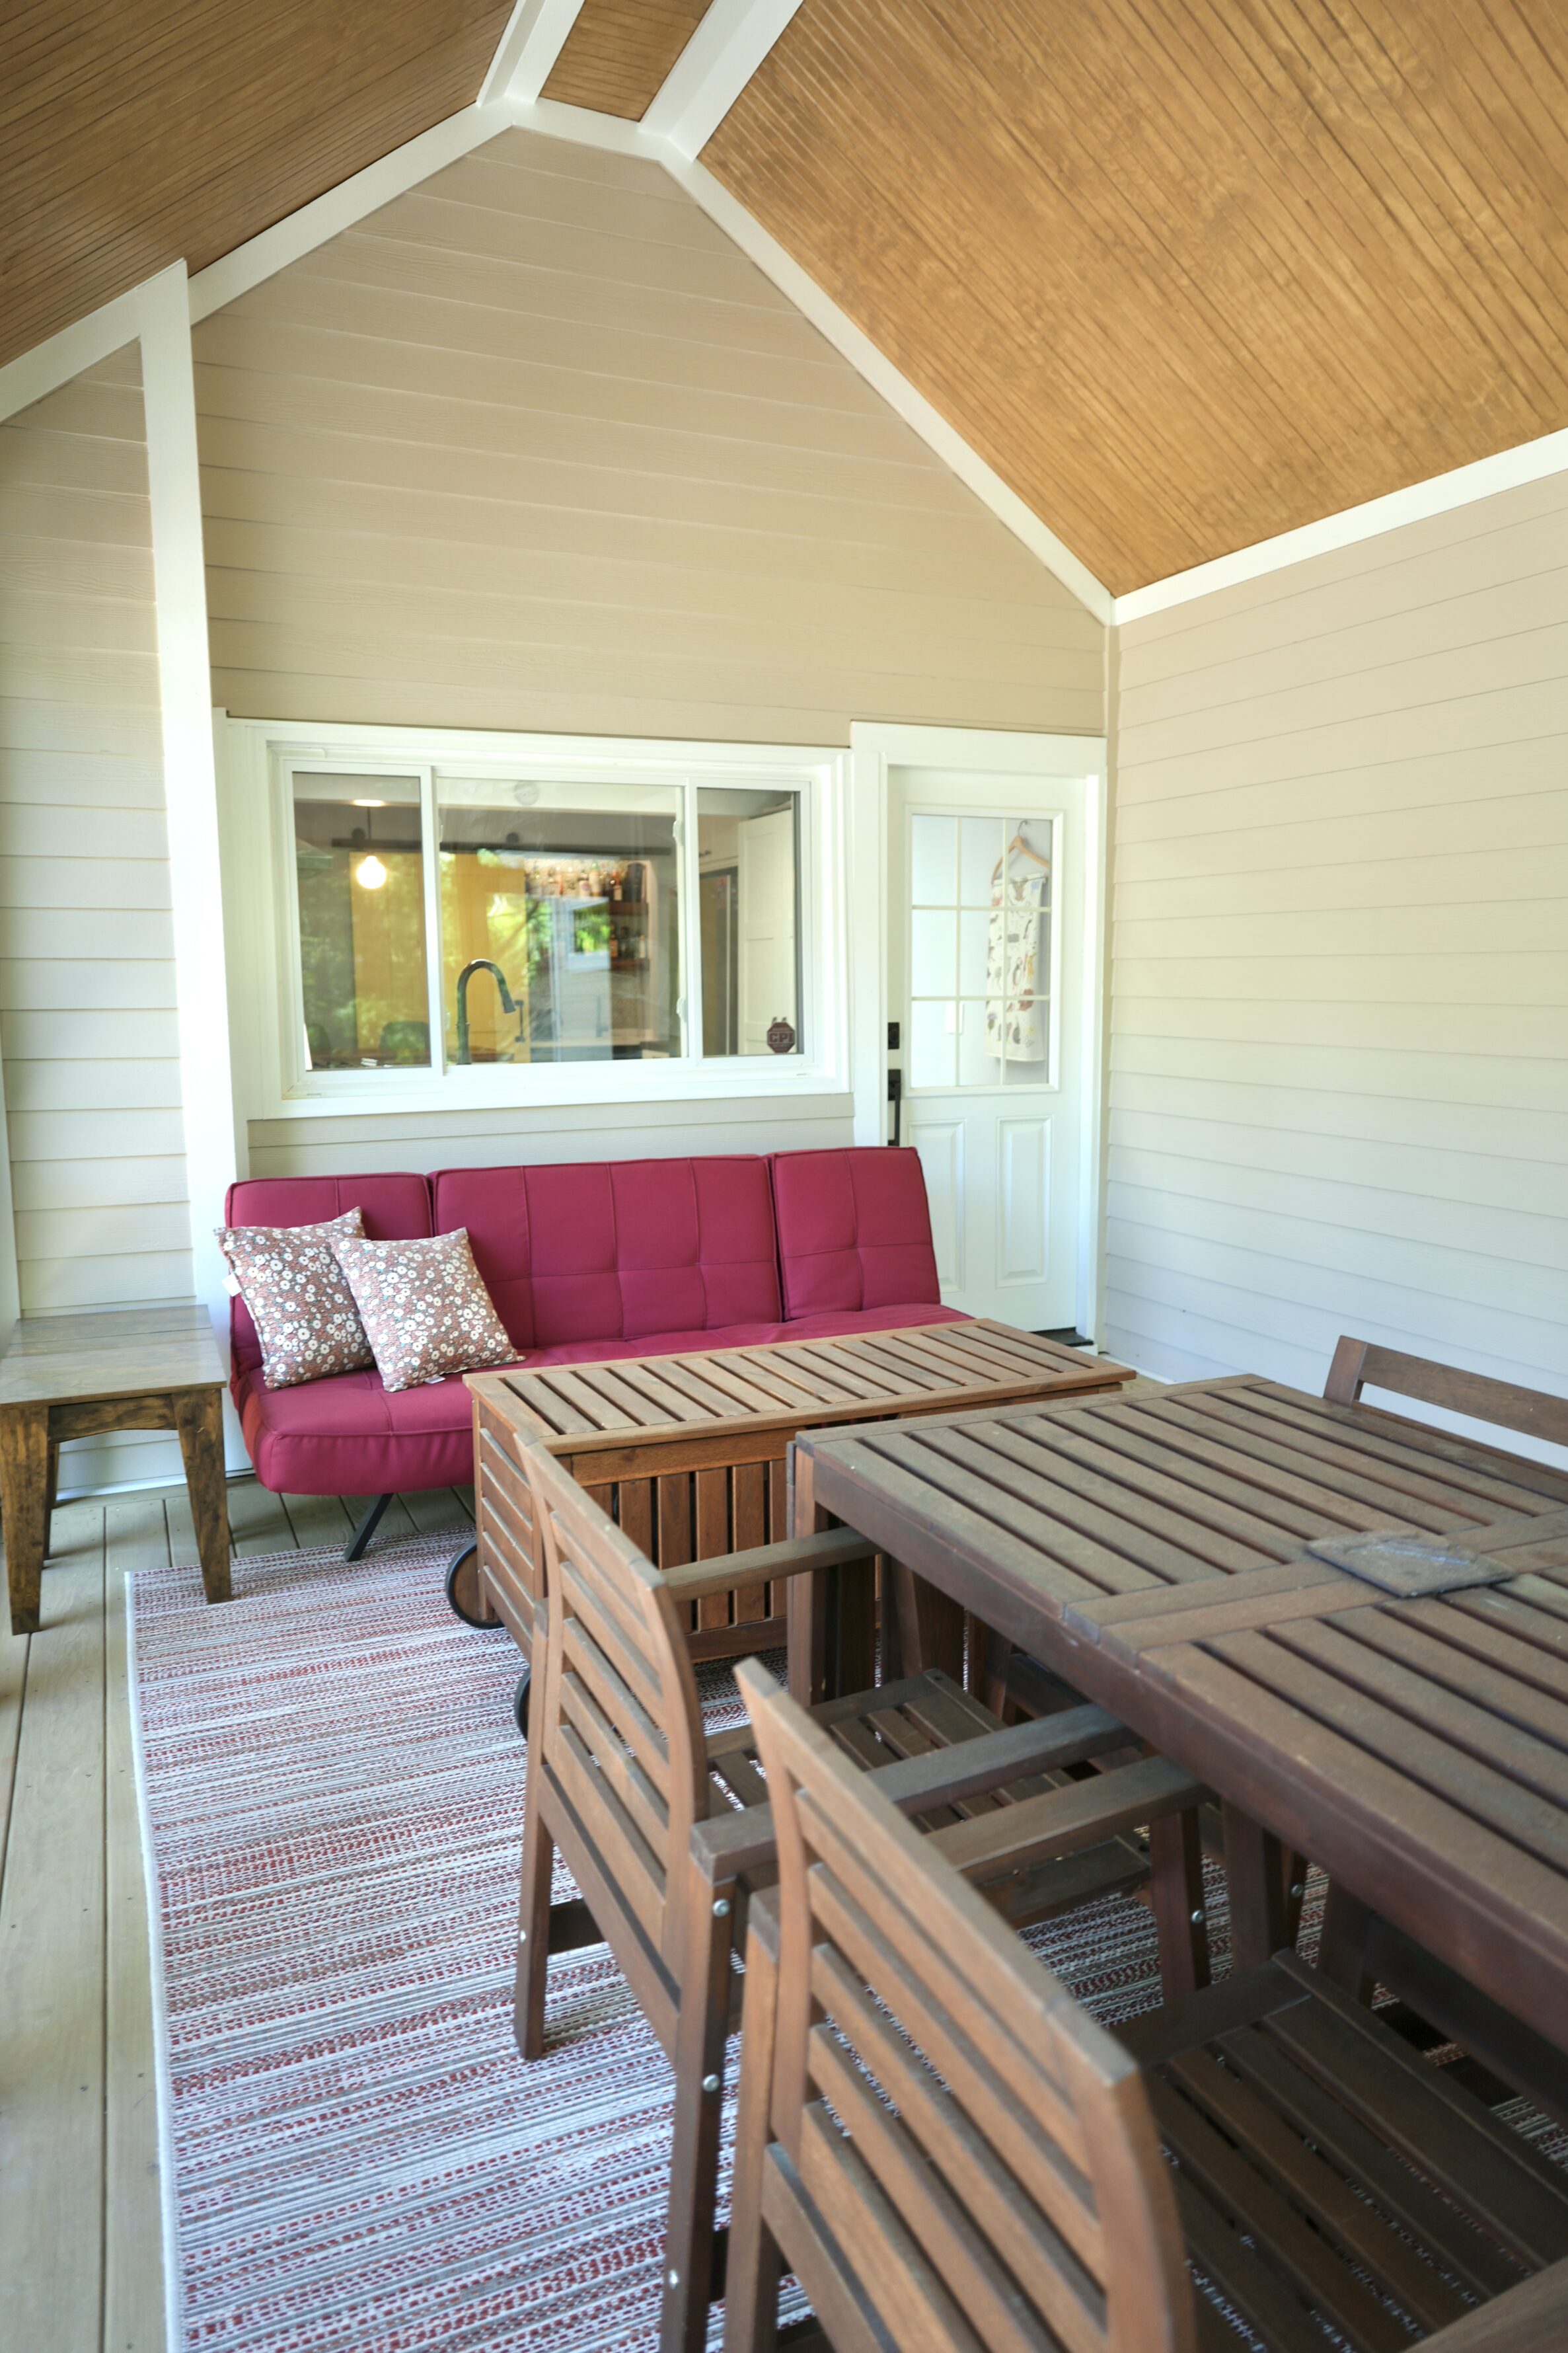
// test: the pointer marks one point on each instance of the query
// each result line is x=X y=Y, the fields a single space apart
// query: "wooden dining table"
x=1351 y=1626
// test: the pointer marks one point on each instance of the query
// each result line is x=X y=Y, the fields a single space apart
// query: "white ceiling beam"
x=713 y=68
x=534 y=37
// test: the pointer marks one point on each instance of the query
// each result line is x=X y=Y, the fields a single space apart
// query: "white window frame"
x=256 y=759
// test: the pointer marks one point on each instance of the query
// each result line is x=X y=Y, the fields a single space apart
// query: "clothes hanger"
x=1017 y=844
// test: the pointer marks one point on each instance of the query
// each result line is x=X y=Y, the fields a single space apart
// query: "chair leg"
x=533 y=1928
x=753 y=2269
x=700 y=2036
x=354 y=1549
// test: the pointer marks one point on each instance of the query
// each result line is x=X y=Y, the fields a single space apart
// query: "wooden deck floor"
x=80 y=2256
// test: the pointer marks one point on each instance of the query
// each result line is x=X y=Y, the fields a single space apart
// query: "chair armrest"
x=1523 y=2319
x=946 y=1777
x=1063 y=1820
x=729 y=1844
x=831 y=1548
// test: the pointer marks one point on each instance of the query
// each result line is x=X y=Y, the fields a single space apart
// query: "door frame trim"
x=876 y=748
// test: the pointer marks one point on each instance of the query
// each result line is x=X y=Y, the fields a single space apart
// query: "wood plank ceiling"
x=1186 y=272
x=618 y=52
x=132 y=135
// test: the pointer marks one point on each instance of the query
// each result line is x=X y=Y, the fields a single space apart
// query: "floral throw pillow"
x=424 y=1308
x=303 y=1308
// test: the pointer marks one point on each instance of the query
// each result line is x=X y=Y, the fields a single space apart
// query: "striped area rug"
x=356 y=2156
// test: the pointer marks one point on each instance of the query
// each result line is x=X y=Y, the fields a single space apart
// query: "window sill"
x=546 y=1085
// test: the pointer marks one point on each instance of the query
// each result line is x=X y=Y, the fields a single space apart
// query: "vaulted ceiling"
x=619 y=51
x=1186 y=272
x=132 y=132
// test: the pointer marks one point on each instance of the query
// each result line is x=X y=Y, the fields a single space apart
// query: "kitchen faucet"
x=480 y=963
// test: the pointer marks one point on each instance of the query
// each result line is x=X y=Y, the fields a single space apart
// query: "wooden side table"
x=118 y=1369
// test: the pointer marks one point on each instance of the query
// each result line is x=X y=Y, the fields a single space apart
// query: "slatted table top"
x=1154 y=1551
x=862 y=1376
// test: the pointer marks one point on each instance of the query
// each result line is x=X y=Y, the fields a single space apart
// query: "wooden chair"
x=1361 y=1364
x=947 y=2151
x=666 y=1828
x=1359 y=1948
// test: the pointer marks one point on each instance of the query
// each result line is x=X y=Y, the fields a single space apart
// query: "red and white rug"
x=355 y=2155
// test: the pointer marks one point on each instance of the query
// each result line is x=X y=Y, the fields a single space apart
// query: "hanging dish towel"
x=1014 y=1012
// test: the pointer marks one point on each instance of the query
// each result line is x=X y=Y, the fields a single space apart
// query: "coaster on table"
x=303 y=1308
x=424 y=1308
x=1409 y=1566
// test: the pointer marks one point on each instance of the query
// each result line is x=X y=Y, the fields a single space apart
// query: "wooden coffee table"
x=77 y=1376
x=688 y=1452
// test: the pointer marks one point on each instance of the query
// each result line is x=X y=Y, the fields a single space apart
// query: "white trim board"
x=712 y=70
x=1531 y=461
x=190 y=780
x=534 y=37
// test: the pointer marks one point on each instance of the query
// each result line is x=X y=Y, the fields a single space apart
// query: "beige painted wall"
x=87 y=976
x=537 y=448
x=1339 y=1094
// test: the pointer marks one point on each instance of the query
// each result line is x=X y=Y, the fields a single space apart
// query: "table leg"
x=198 y=1419
x=806 y=1596
x=24 y=1507
x=1342 y=1956
x=1254 y=1866
x=1177 y=1891
x=921 y=1627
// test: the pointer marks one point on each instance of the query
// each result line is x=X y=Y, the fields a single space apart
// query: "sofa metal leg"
x=367 y=1528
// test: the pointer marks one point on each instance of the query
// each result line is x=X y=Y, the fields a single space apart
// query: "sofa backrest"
x=854 y=1229
x=395 y=1209
x=615 y=1249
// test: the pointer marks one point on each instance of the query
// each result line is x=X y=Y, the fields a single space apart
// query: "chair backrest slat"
x=985 y=2153
x=1361 y=1364
x=618 y=1724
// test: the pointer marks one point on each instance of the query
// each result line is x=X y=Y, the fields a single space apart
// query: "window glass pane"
x=358 y=855
x=934 y=1040
x=980 y=847
x=560 y=937
x=934 y=953
x=1020 y=961
x=932 y=873
x=748 y=867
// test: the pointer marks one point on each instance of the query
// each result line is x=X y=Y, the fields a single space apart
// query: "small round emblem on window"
x=781 y=1036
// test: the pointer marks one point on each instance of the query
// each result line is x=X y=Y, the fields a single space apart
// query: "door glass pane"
x=974 y=950
x=932 y=860
x=980 y=847
x=560 y=938
x=359 y=866
x=934 y=1038
x=934 y=953
x=748 y=861
x=975 y=1046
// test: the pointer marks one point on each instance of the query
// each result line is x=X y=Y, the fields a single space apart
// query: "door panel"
x=1023 y=1221
x=940 y=1143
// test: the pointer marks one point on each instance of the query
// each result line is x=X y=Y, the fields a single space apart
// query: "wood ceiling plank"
x=186 y=127
x=618 y=53
x=1187 y=273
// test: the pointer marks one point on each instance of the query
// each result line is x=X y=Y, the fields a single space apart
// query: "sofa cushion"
x=395 y=1209
x=854 y=1229
x=618 y=1249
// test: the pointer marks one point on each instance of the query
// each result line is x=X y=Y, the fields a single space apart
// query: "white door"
x=985 y=932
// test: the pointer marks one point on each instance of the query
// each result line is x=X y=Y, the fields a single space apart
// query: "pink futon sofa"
x=600 y=1259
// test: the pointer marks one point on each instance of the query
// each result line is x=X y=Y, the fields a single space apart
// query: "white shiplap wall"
x=86 y=977
x=1338 y=1090
x=537 y=448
